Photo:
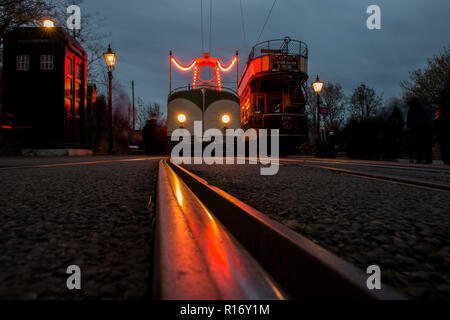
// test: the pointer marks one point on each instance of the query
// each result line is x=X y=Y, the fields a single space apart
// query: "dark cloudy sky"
x=342 y=49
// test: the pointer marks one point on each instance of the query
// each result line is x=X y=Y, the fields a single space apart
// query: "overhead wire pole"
x=237 y=72
x=170 y=72
x=243 y=27
x=210 y=24
x=201 y=22
x=134 y=108
x=210 y=28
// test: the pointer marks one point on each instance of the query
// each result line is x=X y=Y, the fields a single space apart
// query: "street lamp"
x=317 y=86
x=110 y=59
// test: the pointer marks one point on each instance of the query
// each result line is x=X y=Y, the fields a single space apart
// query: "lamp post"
x=110 y=59
x=203 y=110
x=317 y=86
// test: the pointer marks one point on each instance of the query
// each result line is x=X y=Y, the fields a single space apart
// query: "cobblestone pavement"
x=91 y=215
x=405 y=230
x=433 y=175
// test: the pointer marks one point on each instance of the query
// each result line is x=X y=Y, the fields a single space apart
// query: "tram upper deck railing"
x=283 y=47
x=190 y=87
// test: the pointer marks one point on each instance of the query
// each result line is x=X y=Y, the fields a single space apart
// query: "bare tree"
x=364 y=102
x=429 y=82
x=311 y=108
x=333 y=99
x=17 y=13
x=91 y=35
x=145 y=111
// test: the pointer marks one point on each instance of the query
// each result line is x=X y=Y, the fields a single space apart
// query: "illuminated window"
x=79 y=71
x=23 y=63
x=259 y=106
x=69 y=88
x=46 y=62
x=275 y=102
x=78 y=91
x=69 y=66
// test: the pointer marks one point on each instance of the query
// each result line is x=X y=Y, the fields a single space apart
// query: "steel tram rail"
x=387 y=178
x=405 y=166
x=210 y=245
x=195 y=256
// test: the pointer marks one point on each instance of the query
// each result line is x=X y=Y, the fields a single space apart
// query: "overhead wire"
x=267 y=19
x=243 y=27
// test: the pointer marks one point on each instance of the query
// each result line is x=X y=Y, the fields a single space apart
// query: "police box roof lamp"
x=110 y=58
x=47 y=23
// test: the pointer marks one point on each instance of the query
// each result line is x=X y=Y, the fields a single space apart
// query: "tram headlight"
x=225 y=119
x=181 y=117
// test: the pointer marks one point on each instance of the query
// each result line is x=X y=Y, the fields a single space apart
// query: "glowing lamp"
x=317 y=85
x=48 y=23
x=181 y=118
x=110 y=59
x=225 y=119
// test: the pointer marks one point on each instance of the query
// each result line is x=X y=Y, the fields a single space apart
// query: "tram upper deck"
x=274 y=57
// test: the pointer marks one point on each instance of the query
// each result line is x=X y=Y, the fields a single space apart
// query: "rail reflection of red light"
x=7 y=127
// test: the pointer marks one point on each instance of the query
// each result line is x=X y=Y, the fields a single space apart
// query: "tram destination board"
x=284 y=62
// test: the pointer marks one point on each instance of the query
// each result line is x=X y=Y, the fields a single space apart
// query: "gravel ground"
x=92 y=215
x=404 y=230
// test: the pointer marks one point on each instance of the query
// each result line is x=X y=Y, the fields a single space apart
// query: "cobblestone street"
x=403 y=229
x=92 y=215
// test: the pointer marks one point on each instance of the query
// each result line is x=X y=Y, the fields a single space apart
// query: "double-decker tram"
x=206 y=101
x=272 y=91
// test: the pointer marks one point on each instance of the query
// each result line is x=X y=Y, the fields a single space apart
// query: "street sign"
x=323 y=110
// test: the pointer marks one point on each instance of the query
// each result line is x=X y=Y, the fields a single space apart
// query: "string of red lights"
x=201 y=64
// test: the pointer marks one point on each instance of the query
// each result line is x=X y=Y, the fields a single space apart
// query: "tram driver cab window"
x=259 y=104
x=275 y=102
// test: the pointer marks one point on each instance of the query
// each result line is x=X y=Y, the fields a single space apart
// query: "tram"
x=206 y=100
x=272 y=91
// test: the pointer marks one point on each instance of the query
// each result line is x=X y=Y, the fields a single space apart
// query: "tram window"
x=275 y=102
x=259 y=105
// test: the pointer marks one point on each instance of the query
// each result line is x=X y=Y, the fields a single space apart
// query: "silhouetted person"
x=331 y=145
x=149 y=136
x=392 y=131
x=420 y=125
x=443 y=124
